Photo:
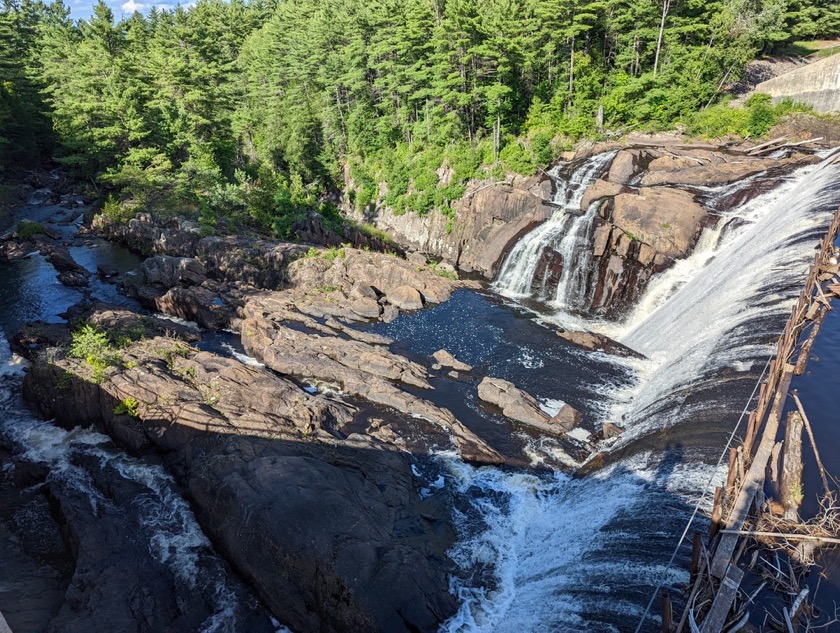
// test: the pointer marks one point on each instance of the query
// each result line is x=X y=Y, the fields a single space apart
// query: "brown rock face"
x=625 y=166
x=522 y=407
x=489 y=219
x=330 y=531
x=599 y=190
x=680 y=170
x=172 y=271
x=405 y=298
x=667 y=219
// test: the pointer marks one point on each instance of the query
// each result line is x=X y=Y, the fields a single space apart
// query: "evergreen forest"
x=260 y=112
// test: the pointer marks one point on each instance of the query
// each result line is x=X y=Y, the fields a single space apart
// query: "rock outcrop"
x=490 y=218
x=327 y=525
x=522 y=407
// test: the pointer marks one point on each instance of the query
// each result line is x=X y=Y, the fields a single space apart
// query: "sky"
x=84 y=8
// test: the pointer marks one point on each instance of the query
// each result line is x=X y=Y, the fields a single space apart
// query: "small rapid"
x=84 y=466
x=125 y=516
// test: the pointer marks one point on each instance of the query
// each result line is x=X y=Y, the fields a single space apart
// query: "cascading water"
x=558 y=553
x=567 y=232
x=93 y=483
x=159 y=514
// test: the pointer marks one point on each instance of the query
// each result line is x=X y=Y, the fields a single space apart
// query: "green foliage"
x=248 y=112
x=127 y=406
x=115 y=211
x=26 y=229
x=754 y=120
x=95 y=348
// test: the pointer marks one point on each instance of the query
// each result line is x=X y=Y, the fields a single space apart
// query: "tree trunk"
x=572 y=69
x=666 y=6
x=497 y=137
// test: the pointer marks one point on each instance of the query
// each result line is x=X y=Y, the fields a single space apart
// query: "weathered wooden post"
x=667 y=613
x=733 y=471
x=696 y=552
x=714 y=528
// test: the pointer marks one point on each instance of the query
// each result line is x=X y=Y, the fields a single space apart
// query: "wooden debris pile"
x=756 y=532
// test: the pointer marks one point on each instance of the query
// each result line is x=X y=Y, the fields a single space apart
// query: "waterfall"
x=585 y=554
x=705 y=315
x=567 y=232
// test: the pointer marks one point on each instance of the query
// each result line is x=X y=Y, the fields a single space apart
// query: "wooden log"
x=717 y=510
x=724 y=598
x=791 y=488
x=667 y=613
x=775 y=141
x=774 y=467
x=807 y=422
x=808 y=345
x=696 y=552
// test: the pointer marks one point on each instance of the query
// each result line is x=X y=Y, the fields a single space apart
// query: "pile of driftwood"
x=757 y=541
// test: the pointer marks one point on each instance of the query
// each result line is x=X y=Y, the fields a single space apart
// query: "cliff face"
x=651 y=213
x=817 y=85
x=489 y=219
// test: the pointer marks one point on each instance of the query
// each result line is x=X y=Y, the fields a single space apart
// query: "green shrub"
x=115 y=211
x=127 y=406
x=94 y=347
x=26 y=229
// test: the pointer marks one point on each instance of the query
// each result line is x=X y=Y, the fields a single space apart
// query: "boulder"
x=73 y=279
x=406 y=298
x=669 y=220
x=611 y=430
x=201 y=305
x=169 y=271
x=522 y=407
x=62 y=260
x=626 y=164
x=365 y=307
x=599 y=190
x=445 y=359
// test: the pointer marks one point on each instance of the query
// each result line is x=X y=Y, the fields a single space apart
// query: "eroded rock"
x=522 y=407
x=445 y=359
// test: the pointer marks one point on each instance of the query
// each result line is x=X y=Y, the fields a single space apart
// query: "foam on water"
x=567 y=232
x=174 y=536
x=706 y=312
x=531 y=538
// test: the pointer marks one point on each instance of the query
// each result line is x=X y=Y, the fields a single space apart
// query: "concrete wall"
x=817 y=84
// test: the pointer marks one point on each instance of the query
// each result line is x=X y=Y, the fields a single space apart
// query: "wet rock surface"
x=522 y=407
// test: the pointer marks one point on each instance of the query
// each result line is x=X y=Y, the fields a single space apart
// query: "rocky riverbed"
x=301 y=455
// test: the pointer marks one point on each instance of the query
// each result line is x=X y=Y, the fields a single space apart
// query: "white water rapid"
x=164 y=519
x=567 y=232
x=585 y=554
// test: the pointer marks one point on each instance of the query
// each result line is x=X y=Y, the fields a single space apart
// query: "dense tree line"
x=258 y=109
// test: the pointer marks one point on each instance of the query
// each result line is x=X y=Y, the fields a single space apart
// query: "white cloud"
x=131 y=6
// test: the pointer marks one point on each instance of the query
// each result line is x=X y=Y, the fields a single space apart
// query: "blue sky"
x=83 y=8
